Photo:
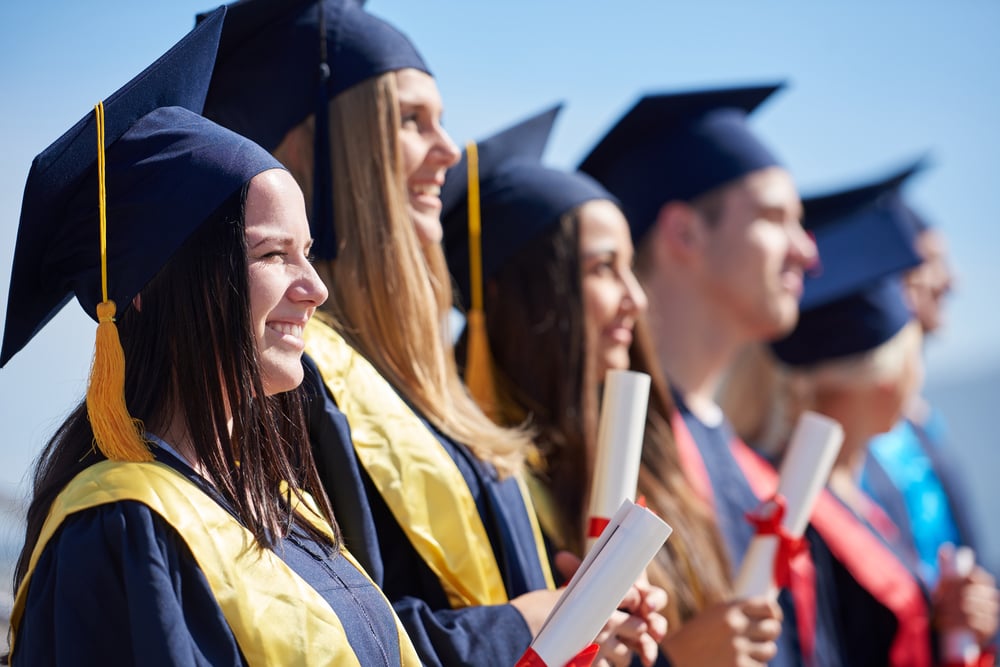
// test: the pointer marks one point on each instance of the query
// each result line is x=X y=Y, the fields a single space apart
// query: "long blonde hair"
x=390 y=296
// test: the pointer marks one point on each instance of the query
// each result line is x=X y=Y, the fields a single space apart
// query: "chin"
x=283 y=381
x=427 y=226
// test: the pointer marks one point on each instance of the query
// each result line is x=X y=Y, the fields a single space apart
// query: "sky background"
x=870 y=87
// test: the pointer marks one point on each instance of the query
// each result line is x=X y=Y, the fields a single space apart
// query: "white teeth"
x=287 y=329
x=434 y=190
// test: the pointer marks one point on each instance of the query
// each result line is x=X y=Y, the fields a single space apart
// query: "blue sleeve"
x=340 y=473
x=117 y=586
x=489 y=636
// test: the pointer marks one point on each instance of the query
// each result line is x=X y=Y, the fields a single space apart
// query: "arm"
x=116 y=585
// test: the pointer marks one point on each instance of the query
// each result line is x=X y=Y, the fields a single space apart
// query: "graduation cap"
x=674 y=147
x=853 y=302
x=497 y=199
x=281 y=60
x=108 y=204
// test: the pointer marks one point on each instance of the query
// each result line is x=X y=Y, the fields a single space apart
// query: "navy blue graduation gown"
x=734 y=497
x=484 y=635
x=117 y=585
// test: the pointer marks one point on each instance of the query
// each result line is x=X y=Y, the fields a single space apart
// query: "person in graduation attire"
x=554 y=254
x=909 y=470
x=855 y=356
x=177 y=517
x=428 y=490
x=721 y=253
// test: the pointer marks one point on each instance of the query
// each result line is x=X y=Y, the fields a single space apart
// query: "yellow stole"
x=415 y=475
x=249 y=583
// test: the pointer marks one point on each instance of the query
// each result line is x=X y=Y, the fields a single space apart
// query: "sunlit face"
x=612 y=297
x=284 y=288
x=929 y=284
x=756 y=254
x=427 y=150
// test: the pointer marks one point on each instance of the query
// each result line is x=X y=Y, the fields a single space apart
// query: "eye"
x=410 y=119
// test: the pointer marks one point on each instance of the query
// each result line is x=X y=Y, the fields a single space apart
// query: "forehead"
x=416 y=87
x=601 y=222
x=771 y=188
x=275 y=206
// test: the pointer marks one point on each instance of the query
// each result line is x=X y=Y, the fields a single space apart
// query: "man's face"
x=756 y=254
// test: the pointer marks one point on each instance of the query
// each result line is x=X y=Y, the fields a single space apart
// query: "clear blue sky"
x=872 y=84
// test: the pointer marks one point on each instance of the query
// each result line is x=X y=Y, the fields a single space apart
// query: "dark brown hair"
x=190 y=350
x=535 y=320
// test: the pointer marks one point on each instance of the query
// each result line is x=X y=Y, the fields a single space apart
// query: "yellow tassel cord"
x=116 y=433
x=478 y=364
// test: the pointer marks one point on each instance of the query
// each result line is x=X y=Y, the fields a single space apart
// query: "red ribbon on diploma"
x=766 y=520
x=582 y=659
x=596 y=526
x=987 y=658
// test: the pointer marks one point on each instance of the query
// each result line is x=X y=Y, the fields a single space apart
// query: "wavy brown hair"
x=538 y=295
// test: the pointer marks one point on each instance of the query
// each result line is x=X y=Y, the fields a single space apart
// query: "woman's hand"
x=967 y=603
x=733 y=634
x=636 y=627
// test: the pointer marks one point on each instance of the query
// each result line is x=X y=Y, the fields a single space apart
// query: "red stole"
x=864 y=556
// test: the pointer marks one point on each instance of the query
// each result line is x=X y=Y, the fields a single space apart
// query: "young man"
x=721 y=253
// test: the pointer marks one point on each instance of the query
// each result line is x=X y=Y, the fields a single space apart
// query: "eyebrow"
x=279 y=240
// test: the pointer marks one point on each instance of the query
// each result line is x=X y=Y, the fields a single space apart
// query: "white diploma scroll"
x=631 y=539
x=808 y=461
x=959 y=646
x=619 y=447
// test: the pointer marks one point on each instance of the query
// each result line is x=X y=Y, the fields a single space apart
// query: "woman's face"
x=284 y=288
x=612 y=297
x=427 y=150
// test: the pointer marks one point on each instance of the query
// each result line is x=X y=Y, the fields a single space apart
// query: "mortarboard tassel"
x=478 y=363
x=116 y=433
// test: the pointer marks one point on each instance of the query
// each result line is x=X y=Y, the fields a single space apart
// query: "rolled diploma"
x=623 y=551
x=811 y=453
x=960 y=645
x=619 y=446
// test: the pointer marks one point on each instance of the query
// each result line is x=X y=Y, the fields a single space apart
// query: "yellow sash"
x=414 y=474
x=276 y=617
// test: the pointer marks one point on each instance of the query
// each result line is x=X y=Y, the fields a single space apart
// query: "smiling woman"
x=284 y=288
x=180 y=499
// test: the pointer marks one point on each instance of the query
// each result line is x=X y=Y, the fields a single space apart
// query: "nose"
x=635 y=300
x=802 y=246
x=311 y=289
x=446 y=149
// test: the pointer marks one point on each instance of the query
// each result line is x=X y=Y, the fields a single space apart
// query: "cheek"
x=412 y=153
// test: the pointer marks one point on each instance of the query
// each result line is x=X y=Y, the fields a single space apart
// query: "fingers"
x=761 y=608
x=566 y=564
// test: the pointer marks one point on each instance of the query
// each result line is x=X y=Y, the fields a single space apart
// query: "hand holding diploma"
x=619 y=447
x=780 y=521
x=633 y=536
x=965 y=608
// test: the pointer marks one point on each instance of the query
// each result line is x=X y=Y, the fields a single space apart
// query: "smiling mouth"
x=287 y=329
x=429 y=189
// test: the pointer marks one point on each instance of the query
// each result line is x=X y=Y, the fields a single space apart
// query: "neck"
x=177 y=434
x=694 y=343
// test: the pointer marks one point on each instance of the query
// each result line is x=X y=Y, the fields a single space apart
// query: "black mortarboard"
x=281 y=60
x=496 y=199
x=853 y=301
x=677 y=146
x=519 y=198
x=167 y=170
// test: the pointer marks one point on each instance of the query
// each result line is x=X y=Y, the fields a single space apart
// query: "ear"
x=137 y=303
x=680 y=231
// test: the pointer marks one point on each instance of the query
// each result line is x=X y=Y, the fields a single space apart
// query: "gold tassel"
x=478 y=363
x=116 y=433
